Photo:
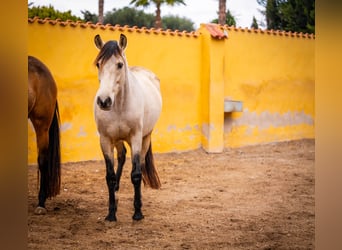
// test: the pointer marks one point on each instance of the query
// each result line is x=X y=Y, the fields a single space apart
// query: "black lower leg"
x=111 y=182
x=136 y=180
x=42 y=193
x=42 y=163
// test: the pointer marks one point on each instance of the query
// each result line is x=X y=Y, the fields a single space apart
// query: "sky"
x=198 y=11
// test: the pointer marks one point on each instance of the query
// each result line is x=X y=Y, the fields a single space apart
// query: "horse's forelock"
x=108 y=50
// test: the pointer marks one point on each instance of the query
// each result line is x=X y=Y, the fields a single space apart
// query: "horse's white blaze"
x=110 y=78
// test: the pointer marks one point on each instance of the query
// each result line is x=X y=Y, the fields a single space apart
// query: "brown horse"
x=44 y=115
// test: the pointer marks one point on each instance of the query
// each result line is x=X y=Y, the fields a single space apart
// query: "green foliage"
x=129 y=16
x=289 y=15
x=177 y=23
x=272 y=15
x=50 y=12
x=230 y=19
x=125 y=16
x=134 y=17
x=89 y=17
x=298 y=15
x=254 y=24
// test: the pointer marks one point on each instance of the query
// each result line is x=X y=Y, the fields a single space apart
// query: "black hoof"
x=110 y=217
x=138 y=216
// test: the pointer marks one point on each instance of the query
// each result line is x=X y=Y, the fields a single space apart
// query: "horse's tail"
x=150 y=175
x=54 y=158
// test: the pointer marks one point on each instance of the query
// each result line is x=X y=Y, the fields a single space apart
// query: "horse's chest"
x=116 y=127
x=120 y=130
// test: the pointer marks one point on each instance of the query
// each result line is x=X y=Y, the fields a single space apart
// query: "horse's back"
x=39 y=74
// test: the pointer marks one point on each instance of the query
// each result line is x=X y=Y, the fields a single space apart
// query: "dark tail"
x=150 y=175
x=54 y=158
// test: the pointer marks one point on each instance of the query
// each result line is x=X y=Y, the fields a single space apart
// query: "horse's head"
x=112 y=69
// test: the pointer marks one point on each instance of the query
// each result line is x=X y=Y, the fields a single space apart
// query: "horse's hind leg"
x=136 y=175
x=121 y=154
x=42 y=142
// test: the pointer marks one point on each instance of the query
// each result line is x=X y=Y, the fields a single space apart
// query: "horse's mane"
x=107 y=51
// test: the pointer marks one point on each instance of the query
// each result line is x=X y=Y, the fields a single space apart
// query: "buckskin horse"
x=127 y=106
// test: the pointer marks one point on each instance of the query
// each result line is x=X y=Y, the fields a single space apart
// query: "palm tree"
x=100 y=20
x=222 y=12
x=158 y=3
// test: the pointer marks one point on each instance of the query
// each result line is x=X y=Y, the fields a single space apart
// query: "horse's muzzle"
x=104 y=104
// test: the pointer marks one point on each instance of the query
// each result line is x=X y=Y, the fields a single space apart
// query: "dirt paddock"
x=255 y=197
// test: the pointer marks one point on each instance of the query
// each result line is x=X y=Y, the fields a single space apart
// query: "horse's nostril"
x=108 y=102
x=104 y=104
x=98 y=101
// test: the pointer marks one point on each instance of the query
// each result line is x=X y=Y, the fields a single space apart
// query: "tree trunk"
x=222 y=12
x=158 y=22
x=101 y=11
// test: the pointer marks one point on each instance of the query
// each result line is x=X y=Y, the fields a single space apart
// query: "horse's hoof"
x=40 y=211
x=110 y=217
x=138 y=216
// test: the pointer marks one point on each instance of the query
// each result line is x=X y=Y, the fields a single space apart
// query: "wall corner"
x=213 y=39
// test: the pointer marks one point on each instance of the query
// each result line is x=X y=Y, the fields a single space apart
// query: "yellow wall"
x=196 y=71
x=273 y=75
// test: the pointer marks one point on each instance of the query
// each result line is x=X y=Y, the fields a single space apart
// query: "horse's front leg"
x=121 y=154
x=136 y=176
x=107 y=150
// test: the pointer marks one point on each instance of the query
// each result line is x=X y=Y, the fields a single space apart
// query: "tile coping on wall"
x=113 y=27
x=216 y=31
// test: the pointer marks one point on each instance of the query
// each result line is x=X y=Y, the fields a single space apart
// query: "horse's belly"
x=149 y=123
x=152 y=110
x=151 y=116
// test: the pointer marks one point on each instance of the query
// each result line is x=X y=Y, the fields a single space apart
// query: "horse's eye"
x=120 y=64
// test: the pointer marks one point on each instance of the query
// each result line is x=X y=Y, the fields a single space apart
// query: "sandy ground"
x=255 y=197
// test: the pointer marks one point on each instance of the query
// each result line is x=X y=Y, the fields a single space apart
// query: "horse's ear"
x=123 y=41
x=98 y=41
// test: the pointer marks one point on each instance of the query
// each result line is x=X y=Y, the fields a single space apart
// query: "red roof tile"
x=215 y=31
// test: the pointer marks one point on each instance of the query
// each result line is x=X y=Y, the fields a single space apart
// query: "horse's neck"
x=123 y=96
